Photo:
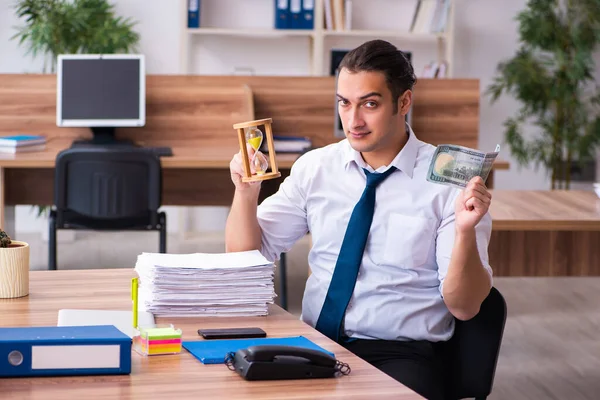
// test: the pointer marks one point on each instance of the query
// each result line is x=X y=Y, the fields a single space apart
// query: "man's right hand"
x=237 y=172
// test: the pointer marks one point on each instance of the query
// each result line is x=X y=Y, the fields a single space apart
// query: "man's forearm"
x=242 y=231
x=467 y=282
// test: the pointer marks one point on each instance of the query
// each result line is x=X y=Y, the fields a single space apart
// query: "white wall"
x=486 y=33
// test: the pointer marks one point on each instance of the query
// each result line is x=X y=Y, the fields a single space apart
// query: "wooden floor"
x=551 y=347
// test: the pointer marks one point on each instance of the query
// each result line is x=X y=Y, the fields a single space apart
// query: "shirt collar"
x=404 y=161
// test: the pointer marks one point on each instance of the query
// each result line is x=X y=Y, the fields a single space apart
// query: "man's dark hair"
x=384 y=57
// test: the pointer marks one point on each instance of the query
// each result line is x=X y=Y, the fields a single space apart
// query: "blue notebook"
x=214 y=351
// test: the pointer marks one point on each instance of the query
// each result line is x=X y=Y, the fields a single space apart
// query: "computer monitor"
x=101 y=92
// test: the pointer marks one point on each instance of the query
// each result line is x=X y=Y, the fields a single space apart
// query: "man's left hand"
x=472 y=204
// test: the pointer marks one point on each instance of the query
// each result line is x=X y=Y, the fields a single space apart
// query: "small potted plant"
x=14 y=267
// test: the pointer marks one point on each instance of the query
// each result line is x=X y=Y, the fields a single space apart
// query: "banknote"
x=457 y=165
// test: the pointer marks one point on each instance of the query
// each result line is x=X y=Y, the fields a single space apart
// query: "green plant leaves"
x=53 y=27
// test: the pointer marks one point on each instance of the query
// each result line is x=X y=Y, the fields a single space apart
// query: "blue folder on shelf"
x=308 y=14
x=214 y=351
x=282 y=14
x=193 y=13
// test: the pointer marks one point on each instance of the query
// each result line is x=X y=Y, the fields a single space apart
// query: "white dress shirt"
x=398 y=290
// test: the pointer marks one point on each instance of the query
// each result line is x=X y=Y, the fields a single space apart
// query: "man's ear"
x=404 y=102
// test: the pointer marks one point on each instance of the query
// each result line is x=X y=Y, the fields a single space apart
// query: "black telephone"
x=268 y=362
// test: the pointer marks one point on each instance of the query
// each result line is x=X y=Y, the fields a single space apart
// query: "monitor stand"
x=103 y=136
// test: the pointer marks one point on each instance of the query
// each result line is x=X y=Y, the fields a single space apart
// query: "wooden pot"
x=14 y=270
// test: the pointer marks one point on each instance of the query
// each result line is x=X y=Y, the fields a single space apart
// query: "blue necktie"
x=349 y=259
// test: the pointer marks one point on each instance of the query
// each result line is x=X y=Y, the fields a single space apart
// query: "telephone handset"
x=268 y=362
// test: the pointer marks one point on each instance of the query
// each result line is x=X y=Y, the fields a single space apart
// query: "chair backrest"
x=107 y=183
x=471 y=355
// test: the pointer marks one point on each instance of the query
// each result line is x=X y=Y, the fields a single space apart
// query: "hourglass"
x=248 y=132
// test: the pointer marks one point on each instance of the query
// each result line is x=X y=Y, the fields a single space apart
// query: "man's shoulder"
x=424 y=153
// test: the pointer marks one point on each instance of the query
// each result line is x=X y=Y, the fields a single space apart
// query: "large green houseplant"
x=53 y=27
x=551 y=75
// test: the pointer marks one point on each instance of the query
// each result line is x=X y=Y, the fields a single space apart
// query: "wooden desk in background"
x=174 y=376
x=545 y=233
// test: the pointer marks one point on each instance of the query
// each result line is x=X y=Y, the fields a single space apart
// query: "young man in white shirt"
x=392 y=262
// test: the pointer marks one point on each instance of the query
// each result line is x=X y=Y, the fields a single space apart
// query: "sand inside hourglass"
x=254 y=136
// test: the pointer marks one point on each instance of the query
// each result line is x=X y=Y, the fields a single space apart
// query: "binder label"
x=295 y=6
x=74 y=357
x=308 y=5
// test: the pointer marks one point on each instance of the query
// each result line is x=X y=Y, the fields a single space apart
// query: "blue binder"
x=295 y=14
x=193 y=13
x=282 y=14
x=214 y=351
x=308 y=14
x=64 y=350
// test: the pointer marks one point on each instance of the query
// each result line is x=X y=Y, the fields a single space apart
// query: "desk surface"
x=212 y=154
x=175 y=376
x=560 y=210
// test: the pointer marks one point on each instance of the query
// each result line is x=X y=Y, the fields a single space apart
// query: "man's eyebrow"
x=366 y=96
x=370 y=94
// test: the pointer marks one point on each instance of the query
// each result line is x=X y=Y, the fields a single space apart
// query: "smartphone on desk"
x=232 y=333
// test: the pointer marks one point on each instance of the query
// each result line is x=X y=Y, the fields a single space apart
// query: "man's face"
x=370 y=118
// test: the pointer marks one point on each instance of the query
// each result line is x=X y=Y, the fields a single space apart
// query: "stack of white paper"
x=205 y=284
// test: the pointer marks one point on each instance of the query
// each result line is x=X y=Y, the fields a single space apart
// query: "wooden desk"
x=176 y=376
x=545 y=233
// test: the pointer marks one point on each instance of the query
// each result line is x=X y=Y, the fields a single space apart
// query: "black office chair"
x=104 y=188
x=471 y=355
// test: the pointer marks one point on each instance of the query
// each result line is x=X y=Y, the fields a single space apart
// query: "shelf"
x=251 y=32
x=220 y=22
x=386 y=34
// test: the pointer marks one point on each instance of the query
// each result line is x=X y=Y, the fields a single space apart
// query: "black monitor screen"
x=101 y=89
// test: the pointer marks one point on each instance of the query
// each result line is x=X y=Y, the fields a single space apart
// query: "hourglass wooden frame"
x=268 y=135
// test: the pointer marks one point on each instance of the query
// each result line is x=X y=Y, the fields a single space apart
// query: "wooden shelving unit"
x=317 y=37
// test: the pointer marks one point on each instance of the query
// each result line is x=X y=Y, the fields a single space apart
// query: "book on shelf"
x=431 y=16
